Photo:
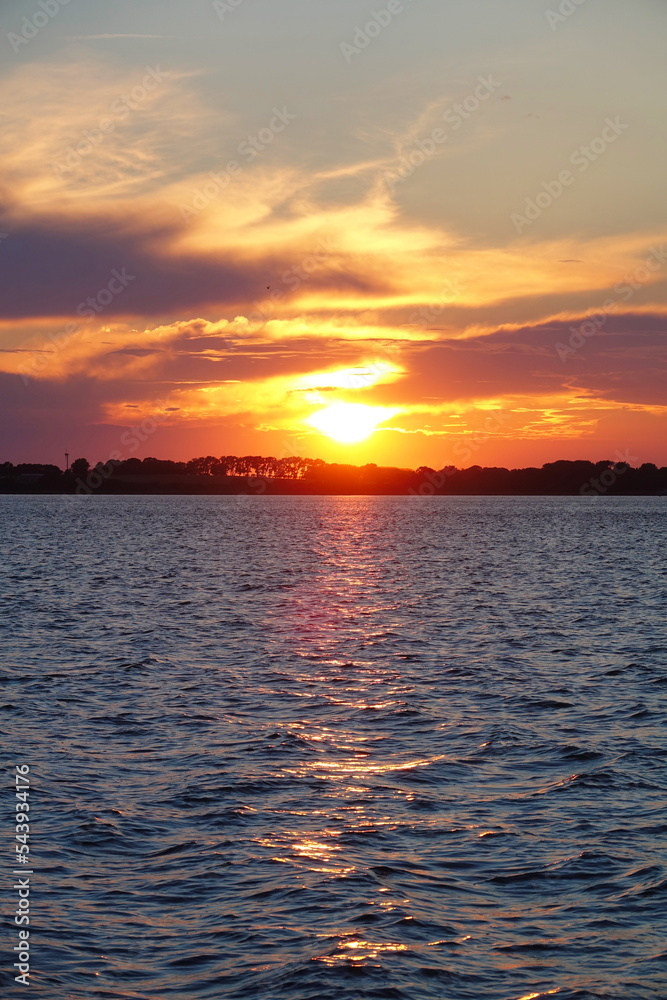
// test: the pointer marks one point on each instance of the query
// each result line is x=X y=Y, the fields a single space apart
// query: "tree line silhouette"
x=256 y=475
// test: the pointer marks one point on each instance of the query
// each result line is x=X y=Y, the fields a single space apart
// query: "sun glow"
x=349 y=423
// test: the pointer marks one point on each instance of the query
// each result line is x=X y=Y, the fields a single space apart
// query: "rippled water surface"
x=331 y=748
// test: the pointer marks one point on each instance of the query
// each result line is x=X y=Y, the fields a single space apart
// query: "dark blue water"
x=340 y=748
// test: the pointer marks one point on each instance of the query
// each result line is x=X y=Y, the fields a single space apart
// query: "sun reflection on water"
x=358 y=950
x=338 y=746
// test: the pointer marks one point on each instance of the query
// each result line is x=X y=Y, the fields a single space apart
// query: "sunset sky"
x=272 y=227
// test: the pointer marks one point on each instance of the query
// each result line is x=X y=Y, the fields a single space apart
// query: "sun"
x=349 y=423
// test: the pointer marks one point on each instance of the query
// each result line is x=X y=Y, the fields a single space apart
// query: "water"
x=333 y=748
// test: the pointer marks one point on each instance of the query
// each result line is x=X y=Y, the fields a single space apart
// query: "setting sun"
x=349 y=423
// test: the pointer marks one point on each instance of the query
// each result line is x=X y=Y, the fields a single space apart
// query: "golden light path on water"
x=344 y=604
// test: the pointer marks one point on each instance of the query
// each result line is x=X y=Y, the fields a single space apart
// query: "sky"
x=409 y=232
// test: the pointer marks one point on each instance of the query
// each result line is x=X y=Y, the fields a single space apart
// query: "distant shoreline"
x=241 y=488
x=256 y=476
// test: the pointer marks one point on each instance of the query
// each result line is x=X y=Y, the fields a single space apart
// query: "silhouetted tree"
x=80 y=467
